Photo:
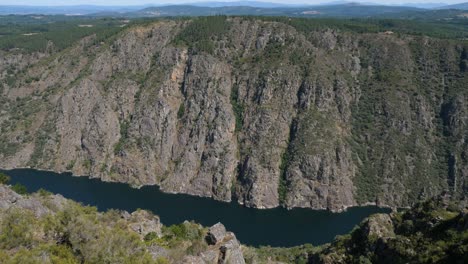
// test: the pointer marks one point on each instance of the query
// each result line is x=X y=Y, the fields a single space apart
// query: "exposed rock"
x=84 y=227
x=193 y=260
x=380 y=226
x=225 y=248
x=216 y=234
x=143 y=222
x=231 y=252
x=408 y=236
x=272 y=115
x=10 y=199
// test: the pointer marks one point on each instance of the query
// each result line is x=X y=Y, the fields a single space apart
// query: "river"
x=274 y=227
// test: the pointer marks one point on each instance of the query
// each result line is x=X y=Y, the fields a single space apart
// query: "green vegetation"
x=43 y=192
x=183 y=239
x=75 y=235
x=237 y=107
x=456 y=29
x=4 y=179
x=17 y=229
x=376 y=143
x=42 y=137
x=428 y=233
x=19 y=188
x=87 y=164
x=30 y=35
x=435 y=231
x=282 y=185
x=298 y=255
x=199 y=34
x=120 y=145
x=181 y=111
x=8 y=148
x=70 y=165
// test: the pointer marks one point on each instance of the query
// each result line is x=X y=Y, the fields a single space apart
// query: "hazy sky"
x=142 y=2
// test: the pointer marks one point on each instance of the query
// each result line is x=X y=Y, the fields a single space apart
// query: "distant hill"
x=343 y=10
x=462 y=6
x=425 y=5
x=65 y=10
x=338 y=9
x=242 y=3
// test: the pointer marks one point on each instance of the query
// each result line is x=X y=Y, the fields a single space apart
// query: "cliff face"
x=253 y=110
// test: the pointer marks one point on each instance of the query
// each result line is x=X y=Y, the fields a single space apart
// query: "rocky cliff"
x=267 y=113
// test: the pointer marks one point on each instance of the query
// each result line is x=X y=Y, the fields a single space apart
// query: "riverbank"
x=340 y=210
x=275 y=227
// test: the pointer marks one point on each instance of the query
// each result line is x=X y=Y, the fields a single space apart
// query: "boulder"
x=144 y=222
x=379 y=225
x=216 y=234
x=231 y=252
x=224 y=249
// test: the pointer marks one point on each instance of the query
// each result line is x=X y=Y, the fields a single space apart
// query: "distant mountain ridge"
x=65 y=10
x=330 y=9
x=243 y=3
x=339 y=10
x=461 y=6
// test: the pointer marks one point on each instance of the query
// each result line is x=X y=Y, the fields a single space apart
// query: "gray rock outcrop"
x=224 y=247
x=269 y=114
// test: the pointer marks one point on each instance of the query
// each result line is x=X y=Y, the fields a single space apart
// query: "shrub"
x=4 y=179
x=17 y=228
x=162 y=260
x=19 y=188
x=87 y=164
x=181 y=111
x=70 y=165
x=150 y=236
x=43 y=192
x=183 y=231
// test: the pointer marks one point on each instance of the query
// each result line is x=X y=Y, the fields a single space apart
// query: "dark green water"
x=275 y=227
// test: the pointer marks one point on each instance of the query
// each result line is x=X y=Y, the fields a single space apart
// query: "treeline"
x=457 y=29
x=32 y=33
x=198 y=34
x=28 y=37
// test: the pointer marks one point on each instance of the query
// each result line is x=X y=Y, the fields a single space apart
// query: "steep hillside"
x=268 y=113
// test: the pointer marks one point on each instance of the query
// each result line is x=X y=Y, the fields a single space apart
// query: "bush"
x=183 y=231
x=181 y=111
x=17 y=229
x=70 y=165
x=150 y=236
x=19 y=188
x=44 y=193
x=4 y=179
